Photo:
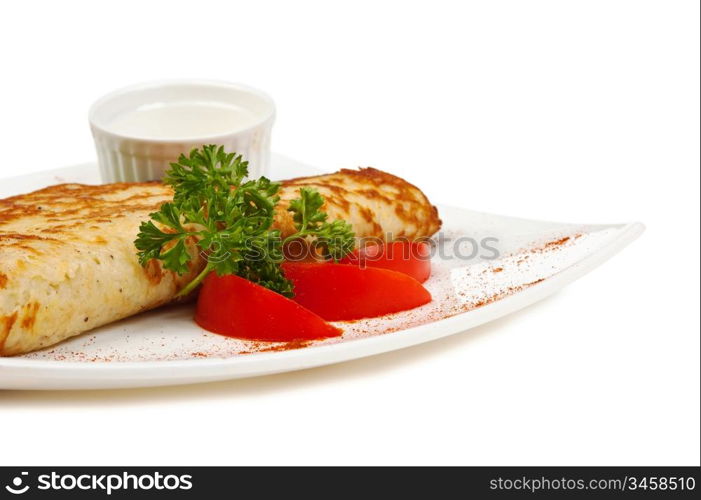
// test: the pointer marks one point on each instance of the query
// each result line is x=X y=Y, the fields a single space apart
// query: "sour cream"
x=181 y=120
x=140 y=130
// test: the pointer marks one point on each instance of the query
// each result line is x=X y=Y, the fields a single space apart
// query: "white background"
x=581 y=111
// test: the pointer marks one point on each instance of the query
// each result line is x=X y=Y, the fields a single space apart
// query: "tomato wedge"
x=233 y=306
x=408 y=257
x=338 y=292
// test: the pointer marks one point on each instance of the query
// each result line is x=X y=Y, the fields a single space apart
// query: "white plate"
x=165 y=347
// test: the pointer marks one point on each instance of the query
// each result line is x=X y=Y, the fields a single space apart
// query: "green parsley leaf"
x=334 y=240
x=231 y=222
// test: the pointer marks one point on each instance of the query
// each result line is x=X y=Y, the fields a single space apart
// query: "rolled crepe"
x=68 y=262
x=377 y=204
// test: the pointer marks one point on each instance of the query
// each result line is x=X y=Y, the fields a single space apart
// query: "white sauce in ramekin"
x=140 y=130
x=182 y=120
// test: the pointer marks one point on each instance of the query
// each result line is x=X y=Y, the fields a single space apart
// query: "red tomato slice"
x=233 y=306
x=408 y=257
x=338 y=292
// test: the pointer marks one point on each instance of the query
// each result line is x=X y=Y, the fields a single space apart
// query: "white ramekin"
x=125 y=158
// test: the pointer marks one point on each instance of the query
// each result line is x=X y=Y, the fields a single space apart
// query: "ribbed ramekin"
x=124 y=158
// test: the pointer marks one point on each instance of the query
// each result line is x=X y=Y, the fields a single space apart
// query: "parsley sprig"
x=228 y=221
x=334 y=239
